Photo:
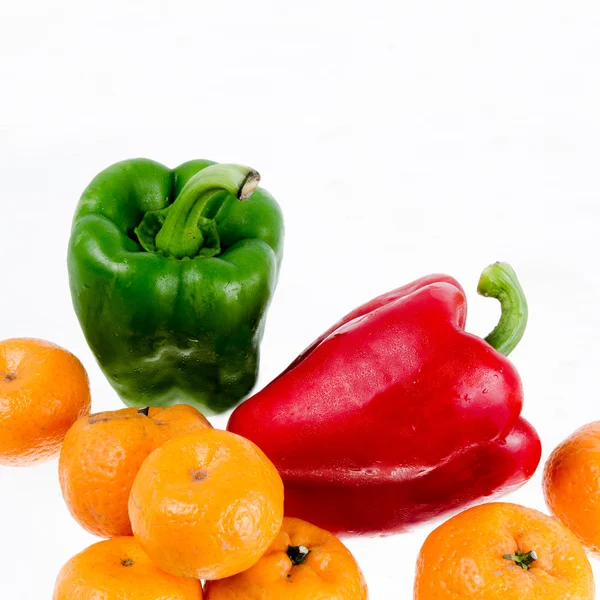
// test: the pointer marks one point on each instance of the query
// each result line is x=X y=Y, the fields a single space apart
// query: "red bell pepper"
x=397 y=415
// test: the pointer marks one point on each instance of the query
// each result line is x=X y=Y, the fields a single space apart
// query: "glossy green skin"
x=168 y=331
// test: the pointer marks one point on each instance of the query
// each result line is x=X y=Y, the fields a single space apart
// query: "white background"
x=401 y=138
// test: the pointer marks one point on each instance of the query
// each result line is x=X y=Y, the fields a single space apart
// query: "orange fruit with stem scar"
x=206 y=505
x=102 y=453
x=44 y=389
x=118 y=569
x=503 y=551
x=303 y=563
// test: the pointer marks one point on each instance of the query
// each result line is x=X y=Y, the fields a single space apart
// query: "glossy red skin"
x=394 y=416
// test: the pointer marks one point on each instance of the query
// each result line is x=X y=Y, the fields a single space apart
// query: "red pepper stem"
x=500 y=281
x=202 y=196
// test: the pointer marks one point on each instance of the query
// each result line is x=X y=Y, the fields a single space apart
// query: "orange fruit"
x=572 y=484
x=303 y=563
x=43 y=390
x=102 y=454
x=119 y=569
x=503 y=551
x=206 y=505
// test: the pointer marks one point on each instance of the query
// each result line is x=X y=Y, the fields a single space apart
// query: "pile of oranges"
x=181 y=503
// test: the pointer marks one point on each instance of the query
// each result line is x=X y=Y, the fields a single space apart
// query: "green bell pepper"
x=171 y=276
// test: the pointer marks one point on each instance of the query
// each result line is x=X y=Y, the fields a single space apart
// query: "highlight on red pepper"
x=396 y=414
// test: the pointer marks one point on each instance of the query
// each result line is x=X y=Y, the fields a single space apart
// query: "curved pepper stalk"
x=187 y=228
x=500 y=281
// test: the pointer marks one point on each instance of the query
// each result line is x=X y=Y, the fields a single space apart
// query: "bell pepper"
x=396 y=414
x=171 y=275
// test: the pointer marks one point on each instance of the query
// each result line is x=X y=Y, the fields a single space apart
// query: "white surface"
x=401 y=138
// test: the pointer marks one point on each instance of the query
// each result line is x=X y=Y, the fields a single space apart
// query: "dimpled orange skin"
x=463 y=558
x=102 y=454
x=572 y=484
x=118 y=569
x=206 y=505
x=329 y=572
x=44 y=389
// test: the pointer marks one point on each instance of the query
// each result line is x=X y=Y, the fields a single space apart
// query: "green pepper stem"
x=500 y=281
x=523 y=559
x=202 y=196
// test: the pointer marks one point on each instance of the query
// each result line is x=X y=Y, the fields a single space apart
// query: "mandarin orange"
x=206 y=505
x=44 y=389
x=503 y=551
x=303 y=563
x=572 y=484
x=102 y=454
x=118 y=569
